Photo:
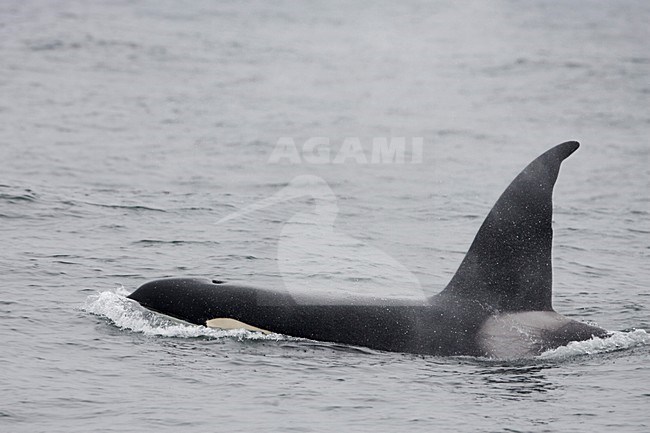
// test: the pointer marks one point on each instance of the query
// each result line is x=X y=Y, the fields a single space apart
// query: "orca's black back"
x=397 y=325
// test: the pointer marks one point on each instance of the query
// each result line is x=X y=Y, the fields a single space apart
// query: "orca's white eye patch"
x=226 y=323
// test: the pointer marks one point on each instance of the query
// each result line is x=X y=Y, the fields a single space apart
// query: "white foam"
x=129 y=315
x=619 y=340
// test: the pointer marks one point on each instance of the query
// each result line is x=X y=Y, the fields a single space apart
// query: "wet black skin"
x=435 y=326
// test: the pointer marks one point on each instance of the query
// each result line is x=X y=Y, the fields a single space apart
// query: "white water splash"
x=129 y=315
x=619 y=340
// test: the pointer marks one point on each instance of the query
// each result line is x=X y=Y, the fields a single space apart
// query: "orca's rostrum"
x=498 y=304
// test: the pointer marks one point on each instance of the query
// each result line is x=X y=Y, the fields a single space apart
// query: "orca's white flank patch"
x=518 y=335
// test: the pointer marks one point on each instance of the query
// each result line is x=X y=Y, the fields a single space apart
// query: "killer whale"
x=498 y=304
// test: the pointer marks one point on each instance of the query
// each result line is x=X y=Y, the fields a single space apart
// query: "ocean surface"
x=351 y=147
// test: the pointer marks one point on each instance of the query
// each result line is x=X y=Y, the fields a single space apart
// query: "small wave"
x=128 y=315
x=174 y=242
x=17 y=196
x=618 y=340
x=125 y=206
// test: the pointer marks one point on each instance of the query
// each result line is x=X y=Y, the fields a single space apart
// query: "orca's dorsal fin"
x=508 y=266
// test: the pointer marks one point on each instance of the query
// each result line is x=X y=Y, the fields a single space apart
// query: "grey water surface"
x=130 y=129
